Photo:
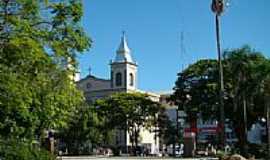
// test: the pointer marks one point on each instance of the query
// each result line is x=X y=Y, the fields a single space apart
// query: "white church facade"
x=123 y=78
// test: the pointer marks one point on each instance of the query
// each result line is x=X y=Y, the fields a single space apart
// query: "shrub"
x=17 y=150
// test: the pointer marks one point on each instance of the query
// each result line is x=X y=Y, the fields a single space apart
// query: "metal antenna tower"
x=182 y=49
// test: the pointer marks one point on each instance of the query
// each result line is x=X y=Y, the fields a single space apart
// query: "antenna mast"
x=182 y=49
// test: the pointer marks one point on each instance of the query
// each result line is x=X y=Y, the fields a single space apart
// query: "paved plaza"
x=131 y=158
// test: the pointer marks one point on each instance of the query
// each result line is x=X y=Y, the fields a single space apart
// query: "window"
x=118 y=79
x=131 y=79
x=88 y=85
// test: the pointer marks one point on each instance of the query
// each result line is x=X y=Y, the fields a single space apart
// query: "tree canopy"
x=246 y=79
x=83 y=132
x=130 y=112
x=39 y=42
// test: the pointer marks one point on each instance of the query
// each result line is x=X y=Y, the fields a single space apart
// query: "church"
x=123 y=78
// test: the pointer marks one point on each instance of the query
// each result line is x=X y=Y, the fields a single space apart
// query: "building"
x=123 y=78
x=206 y=131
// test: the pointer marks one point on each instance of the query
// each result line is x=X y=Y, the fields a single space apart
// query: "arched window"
x=118 y=78
x=131 y=79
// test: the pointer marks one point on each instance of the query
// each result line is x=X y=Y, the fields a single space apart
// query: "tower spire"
x=123 y=51
x=123 y=47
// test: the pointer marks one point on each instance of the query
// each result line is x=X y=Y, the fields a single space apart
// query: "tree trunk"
x=174 y=148
x=245 y=147
x=136 y=136
x=131 y=136
x=176 y=142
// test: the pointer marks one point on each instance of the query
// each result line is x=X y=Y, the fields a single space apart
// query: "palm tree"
x=247 y=75
x=239 y=67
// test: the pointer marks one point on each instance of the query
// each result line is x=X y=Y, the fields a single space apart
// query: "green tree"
x=37 y=60
x=83 y=132
x=166 y=128
x=245 y=72
x=196 y=89
x=21 y=150
x=130 y=112
x=249 y=69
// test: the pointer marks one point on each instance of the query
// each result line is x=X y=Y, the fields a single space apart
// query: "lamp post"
x=218 y=7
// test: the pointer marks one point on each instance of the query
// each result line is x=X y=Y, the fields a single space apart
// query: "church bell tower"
x=123 y=68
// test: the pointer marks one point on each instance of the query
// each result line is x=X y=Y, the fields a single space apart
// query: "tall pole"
x=218 y=7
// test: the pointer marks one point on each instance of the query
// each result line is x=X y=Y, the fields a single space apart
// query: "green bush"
x=221 y=154
x=16 y=150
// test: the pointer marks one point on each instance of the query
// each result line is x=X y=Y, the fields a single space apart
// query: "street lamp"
x=218 y=7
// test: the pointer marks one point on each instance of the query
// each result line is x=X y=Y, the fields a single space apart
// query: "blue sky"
x=154 y=28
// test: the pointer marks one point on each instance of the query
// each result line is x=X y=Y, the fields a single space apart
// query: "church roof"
x=123 y=51
x=93 y=77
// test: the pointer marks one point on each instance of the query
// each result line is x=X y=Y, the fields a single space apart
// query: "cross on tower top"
x=89 y=70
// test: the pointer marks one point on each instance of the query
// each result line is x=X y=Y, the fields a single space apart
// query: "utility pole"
x=218 y=7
